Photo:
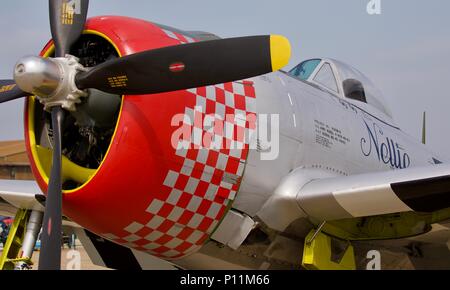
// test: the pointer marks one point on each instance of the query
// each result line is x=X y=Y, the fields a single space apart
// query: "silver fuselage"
x=325 y=132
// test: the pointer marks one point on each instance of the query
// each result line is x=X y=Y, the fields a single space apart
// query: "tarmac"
x=70 y=261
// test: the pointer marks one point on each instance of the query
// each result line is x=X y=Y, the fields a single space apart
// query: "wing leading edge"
x=421 y=189
x=23 y=194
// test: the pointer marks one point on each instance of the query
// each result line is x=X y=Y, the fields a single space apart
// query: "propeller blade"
x=189 y=65
x=67 y=20
x=10 y=91
x=50 y=256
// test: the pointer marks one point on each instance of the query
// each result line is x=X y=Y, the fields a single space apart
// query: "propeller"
x=10 y=91
x=67 y=19
x=67 y=23
x=60 y=82
x=188 y=66
x=50 y=256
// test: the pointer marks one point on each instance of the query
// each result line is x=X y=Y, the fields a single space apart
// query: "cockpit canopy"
x=340 y=79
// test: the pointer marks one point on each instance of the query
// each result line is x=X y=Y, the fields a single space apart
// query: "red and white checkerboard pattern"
x=195 y=198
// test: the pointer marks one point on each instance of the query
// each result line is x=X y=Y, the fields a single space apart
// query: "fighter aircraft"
x=172 y=149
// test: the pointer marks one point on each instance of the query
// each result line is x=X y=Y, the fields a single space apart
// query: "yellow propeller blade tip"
x=280 y=51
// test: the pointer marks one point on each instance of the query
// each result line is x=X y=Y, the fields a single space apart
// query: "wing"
x=401 y=212
x=22 y=194
x=421 y=189
x=424 y=189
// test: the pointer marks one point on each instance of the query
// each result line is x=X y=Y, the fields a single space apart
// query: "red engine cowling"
x=146 y=193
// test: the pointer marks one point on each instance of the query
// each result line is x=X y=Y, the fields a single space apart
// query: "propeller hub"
x=39 y=76
x=51 y=80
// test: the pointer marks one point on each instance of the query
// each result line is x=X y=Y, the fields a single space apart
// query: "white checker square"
x=155 y=222
x=213 y=210
x=211 y=192
x=226 y=185
x=229 y=99
x=171 y=253
x=172 y=244
x=238 y=88
x=211 y=93
x=206 y=177
x=187 y=168
x=216 y=142
x=236 y=150
x=191 y=185
x=182 y=148
x=197 y=137
x=209 y=123
x=195 y=220
x=133 y=227
x=199 y=109
x=188 y=117
x=175 y=230
x=249 y=104
x=229 y=130
x=175 y=214
x=132 y=238
x=222 y=161
x=174 y=196
x=230 y=178
x=151 y=246
x=193 y=91
x=238 y=112
x=241 y=167
x=208 y=169
x=202 y=155
x=171 y=178
x=194 y=203
x=240 y=122
x=250 y=109
x=129 y=245
x=220 y=110
x=153 y=236
x=155 y=206
x=238 y=144
x=200 y=102
x=232 y=195
x=195 y=237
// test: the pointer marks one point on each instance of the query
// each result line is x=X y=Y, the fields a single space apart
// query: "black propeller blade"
x=67 y=20
x=189 y=65
x=10 y=91
x=50 y=256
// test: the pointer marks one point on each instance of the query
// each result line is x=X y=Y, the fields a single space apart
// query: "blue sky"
x=405 y=50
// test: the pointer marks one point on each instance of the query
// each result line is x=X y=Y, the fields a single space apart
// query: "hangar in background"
x=14 y=163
